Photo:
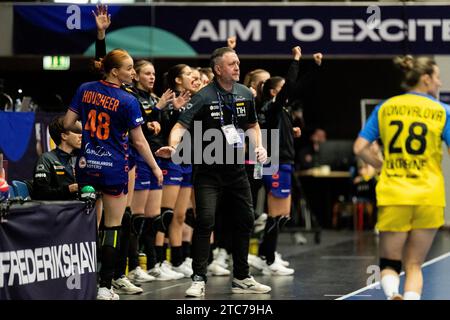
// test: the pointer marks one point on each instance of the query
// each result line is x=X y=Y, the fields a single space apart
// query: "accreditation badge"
x=231 y=134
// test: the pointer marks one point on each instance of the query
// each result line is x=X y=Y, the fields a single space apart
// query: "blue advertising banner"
x=191 y=30
x=24 y=136
x=48 y=251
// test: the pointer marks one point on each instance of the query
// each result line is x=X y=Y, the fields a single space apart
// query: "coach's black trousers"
x=209 y=185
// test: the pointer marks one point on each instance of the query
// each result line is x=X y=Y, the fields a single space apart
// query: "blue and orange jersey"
x=412 y=127
x=107 y=113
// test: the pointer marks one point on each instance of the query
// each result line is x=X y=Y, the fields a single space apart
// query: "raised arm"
x=103 y=21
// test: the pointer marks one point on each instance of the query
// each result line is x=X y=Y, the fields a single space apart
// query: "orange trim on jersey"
x=109 y=84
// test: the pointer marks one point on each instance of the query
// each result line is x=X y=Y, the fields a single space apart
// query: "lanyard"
x=231 y=108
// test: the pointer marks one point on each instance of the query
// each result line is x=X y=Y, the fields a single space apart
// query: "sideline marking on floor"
x=164 y=288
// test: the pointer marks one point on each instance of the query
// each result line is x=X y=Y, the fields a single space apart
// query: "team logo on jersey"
x=240 y=111
x=82 y=163
x=40 y=167
x=188 y=106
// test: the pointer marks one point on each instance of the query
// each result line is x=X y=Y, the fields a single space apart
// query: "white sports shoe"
x=160 y=274
x=188 y=262
x=256 y=262
x=197 y=288
x=140 y=276
x=166 y=267
x=216 y=269
x=184 y=269
x=124 y=286
x=260 y=223
x=221 y=258
x=277 y=269
x=279 y=259
x=104 y=293
x=249 y=285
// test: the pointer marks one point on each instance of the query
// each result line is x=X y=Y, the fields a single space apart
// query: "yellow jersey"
x=412 y=127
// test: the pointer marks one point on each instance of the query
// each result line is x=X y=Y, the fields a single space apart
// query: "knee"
x=413 y=266
x=178 y=218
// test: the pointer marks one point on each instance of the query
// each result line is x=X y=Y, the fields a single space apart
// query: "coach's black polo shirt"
x=206 y=104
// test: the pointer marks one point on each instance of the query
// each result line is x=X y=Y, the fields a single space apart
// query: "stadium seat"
x=21 y=189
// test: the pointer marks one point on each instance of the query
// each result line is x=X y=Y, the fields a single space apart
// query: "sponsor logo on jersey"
x=40 y=175
x=82 y=163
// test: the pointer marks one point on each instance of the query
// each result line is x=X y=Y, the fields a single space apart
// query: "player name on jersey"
x=99 y=99
x=413 y=111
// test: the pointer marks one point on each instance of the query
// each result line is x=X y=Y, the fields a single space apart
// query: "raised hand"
x=297 y=53
x=102 y=19
x=181 y=100
x=231 y=42
x=297 y=132
x=166 y=97
x=318 y=58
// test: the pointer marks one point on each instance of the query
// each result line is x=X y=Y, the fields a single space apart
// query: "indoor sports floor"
x=340 y=267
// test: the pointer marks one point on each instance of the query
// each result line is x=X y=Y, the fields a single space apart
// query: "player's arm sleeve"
x=75 y=104
x=135 y=117
x=446 y=131
x=371 y=130
x=292 y=76
x=192 y=109
x=100 y=48
x=252 y=118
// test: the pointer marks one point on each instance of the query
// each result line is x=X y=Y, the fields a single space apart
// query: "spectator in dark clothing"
x=54 y=177
x=307 y=157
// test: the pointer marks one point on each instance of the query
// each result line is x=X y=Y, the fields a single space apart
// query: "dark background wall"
x=334 y=103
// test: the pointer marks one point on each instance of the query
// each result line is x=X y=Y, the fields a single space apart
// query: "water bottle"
x=258 y=170
x=88 y=194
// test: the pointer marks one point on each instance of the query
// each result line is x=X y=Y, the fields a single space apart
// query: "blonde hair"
x=141 y=64
x=414 y=69
x=251 y=76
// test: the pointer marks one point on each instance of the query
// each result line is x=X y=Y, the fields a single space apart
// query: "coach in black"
x=226 y=106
